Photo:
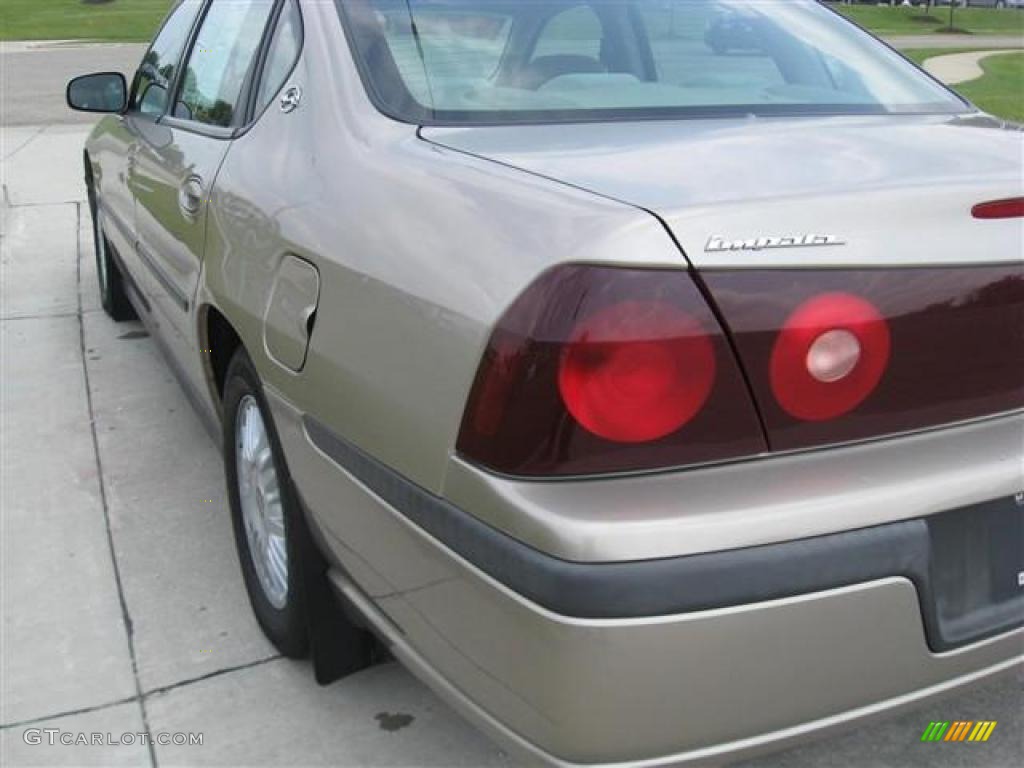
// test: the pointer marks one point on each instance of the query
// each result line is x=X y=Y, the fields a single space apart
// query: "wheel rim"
x=259 y=494
x=101 y=258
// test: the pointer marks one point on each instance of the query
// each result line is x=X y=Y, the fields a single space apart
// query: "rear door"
x=179 y=156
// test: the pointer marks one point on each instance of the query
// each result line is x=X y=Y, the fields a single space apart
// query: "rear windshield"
x=457 y=62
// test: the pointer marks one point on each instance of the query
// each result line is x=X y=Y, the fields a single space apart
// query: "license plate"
x=977 y=568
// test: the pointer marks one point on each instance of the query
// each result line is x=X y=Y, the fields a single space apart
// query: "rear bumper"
x=630 y=663
x=678 y=585
x=675 y=695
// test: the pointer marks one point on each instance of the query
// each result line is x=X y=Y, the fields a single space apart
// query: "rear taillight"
x=600 y=369
x=836 y=355
x=637 y=371
x=829 y=356
x=1011 y=208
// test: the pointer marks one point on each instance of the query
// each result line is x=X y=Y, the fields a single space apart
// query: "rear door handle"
x=190 y=195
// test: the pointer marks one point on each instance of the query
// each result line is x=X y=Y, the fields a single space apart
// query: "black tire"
x=113 y=296
x=286 y=626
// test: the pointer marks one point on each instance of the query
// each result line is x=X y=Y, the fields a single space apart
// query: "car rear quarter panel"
x=419 y=250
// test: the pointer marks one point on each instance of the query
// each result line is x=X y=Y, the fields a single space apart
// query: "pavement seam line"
x=54 y=316
x=125 y=615
x=27 y=141
x=15 y=206
x=164 y=689
x=159 y=691
x=67 y=713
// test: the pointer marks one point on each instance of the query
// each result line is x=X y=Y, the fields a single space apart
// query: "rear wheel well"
x=221 y=344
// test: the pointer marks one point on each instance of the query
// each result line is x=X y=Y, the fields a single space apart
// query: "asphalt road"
x=33 y=77
x=122 y=606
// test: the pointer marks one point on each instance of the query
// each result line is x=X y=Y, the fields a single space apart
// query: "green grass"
x=1001 y=90
x=125 y=20
x=137 y=19
x=916 y=21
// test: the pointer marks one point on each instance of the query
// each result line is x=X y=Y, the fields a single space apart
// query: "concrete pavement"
x=908 y=42
x=123 y=611
x=956 y=68
x=123 y=607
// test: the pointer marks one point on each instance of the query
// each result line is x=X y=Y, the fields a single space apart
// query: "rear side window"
x=222 y=60
x=448 y=41
x=284 y=51
x=159 y=66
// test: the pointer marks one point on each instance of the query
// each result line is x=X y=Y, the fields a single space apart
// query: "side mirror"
x=102 y=92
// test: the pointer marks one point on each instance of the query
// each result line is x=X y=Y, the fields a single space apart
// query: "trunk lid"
x=895 y=190
x=779 y=215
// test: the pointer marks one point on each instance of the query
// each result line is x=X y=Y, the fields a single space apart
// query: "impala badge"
x=718 y=244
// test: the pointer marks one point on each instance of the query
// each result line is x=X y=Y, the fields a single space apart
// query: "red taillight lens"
x=636 y=371
x=837 y=355
x=600 y=369
x=1010 y=208
x=829 y=356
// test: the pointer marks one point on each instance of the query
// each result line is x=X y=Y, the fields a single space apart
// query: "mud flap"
x=339 y=645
